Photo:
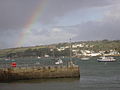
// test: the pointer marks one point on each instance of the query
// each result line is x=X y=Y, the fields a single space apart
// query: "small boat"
x=106 y=59
x=6 y=59
x=38 y=57
x=37 y=63
x=13 y=60
x=59 y=61
x=85 y=58
x=9 y=59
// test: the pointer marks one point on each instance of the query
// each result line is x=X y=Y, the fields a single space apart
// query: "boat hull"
x=106 y=59
x=99 y=60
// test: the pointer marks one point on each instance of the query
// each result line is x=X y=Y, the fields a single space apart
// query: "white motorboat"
x=106 y=59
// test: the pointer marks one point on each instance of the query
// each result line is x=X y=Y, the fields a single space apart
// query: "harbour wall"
x=24 y=73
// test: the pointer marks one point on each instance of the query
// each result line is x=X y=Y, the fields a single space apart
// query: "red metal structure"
x=13 y=64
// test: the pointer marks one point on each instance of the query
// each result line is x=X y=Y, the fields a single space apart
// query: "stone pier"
x=24 y=73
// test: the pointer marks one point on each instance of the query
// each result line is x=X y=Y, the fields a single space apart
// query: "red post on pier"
x=13 y=64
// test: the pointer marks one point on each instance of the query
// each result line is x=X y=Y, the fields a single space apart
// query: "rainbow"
x=30 y=22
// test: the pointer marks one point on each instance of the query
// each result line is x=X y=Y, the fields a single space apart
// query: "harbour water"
x=93 y=76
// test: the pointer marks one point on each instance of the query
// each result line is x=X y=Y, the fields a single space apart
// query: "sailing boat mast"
x=53 y=53
x=70 y=61
x=70 y=51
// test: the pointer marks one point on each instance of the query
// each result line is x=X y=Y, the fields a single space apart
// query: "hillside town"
x=85 y=52
x=78 y=49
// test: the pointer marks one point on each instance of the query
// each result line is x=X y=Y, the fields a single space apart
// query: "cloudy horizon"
x=57 y=21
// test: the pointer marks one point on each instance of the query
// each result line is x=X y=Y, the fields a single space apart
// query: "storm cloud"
x=58 y=20
x=15 y=13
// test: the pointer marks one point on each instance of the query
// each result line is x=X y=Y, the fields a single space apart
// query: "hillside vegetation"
x=96 y=46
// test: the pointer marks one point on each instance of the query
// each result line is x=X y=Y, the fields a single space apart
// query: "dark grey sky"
x=57 y=20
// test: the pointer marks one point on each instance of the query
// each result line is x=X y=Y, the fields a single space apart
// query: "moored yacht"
x=106 y=59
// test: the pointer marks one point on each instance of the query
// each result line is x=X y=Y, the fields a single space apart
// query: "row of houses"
x=77 y=52
x=74 y=46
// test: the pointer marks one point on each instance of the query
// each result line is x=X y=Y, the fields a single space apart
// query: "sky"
x=40 y=22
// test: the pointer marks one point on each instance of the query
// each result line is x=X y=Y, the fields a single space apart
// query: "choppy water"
x=94 y=76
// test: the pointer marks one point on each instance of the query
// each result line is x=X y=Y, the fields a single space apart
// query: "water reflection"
x=56 y=80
